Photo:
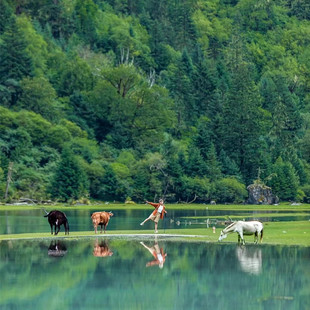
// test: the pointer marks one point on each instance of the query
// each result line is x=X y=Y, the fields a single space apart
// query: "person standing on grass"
x=157 y=214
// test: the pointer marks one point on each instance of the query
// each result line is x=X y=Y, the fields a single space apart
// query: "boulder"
x=261 y=194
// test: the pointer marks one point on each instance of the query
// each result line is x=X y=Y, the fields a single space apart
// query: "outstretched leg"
x=147 y=219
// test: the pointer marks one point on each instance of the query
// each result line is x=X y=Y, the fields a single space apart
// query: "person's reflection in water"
x=158 y=253
x=57 y=249
x=250 y=259
x=102 y=249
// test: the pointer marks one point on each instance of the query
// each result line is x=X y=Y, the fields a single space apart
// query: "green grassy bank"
x=284 y=232
x=124 y=206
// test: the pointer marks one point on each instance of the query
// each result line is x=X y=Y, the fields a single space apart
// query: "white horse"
x=244 y=228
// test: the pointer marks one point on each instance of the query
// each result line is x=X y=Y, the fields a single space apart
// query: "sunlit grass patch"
x=285 y=233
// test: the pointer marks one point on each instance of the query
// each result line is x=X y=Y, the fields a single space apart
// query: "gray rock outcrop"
x=261 y=194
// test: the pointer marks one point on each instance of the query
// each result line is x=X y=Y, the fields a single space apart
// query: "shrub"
x=229 y=190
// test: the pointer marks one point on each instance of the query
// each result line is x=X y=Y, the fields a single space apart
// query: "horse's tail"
x=261 y=235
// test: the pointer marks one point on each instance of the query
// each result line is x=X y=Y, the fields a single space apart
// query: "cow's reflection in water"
x=250 y=259
x=57 y=249
x=102 y=249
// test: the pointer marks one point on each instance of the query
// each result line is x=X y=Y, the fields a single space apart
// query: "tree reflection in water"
x=197 y=275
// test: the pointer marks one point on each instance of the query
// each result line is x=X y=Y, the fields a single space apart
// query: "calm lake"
x=147 y=273
x=113 y=273
x=31 y=221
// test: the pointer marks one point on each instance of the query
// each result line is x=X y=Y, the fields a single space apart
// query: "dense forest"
x=192 y=100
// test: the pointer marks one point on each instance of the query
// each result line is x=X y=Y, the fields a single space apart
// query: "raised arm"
x=152 y=204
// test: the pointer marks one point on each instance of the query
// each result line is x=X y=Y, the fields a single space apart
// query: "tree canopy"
x=187 y=100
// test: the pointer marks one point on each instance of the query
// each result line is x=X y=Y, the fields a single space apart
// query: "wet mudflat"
x=151 y=273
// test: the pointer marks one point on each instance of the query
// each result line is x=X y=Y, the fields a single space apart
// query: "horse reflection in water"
x=102 y=249
x=158 y=253
x=57 y=249
x=250 y=259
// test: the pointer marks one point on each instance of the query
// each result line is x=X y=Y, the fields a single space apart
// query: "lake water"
x=31 y=221
x=114 y=273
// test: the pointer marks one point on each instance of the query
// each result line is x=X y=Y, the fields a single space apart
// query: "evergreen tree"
x=110 y=187
x=286 y=121
x=14 y=143
x=285 y=182
x=179 y=82
x=86 y=11
x=203 y=138
x=229 y=167
x=203 y=141
x=82 y=113
x=14 y=64
x=6 y=16
x=39 y=96
x=196 y=165
x=70 y=180
x=213 y=165
x=268 y=92
x=241 y=127
x=205 y=80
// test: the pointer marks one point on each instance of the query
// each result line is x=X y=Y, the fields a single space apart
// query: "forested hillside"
x=186 y=99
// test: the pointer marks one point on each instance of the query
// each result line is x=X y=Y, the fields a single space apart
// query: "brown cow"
x=102 y=219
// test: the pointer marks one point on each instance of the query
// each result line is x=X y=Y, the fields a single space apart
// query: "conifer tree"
x=70 y=181
x=6 y=16
x=286 y=121
x=285 y=182
x=241 y=124
x=14 y=64
x=110 y=186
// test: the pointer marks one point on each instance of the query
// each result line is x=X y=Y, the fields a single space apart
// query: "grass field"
x=284 y=232
x=123 y=206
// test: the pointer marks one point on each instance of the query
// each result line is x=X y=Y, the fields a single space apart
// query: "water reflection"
x=250 y=259
x=157 y=252
x=196 y=276
x=102 y=249
x=57 y=249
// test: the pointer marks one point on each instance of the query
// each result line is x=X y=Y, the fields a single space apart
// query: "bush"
x=197 y=189
x=306 y=190
x=229 y=190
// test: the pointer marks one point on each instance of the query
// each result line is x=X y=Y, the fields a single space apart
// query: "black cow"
x=57 y=218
